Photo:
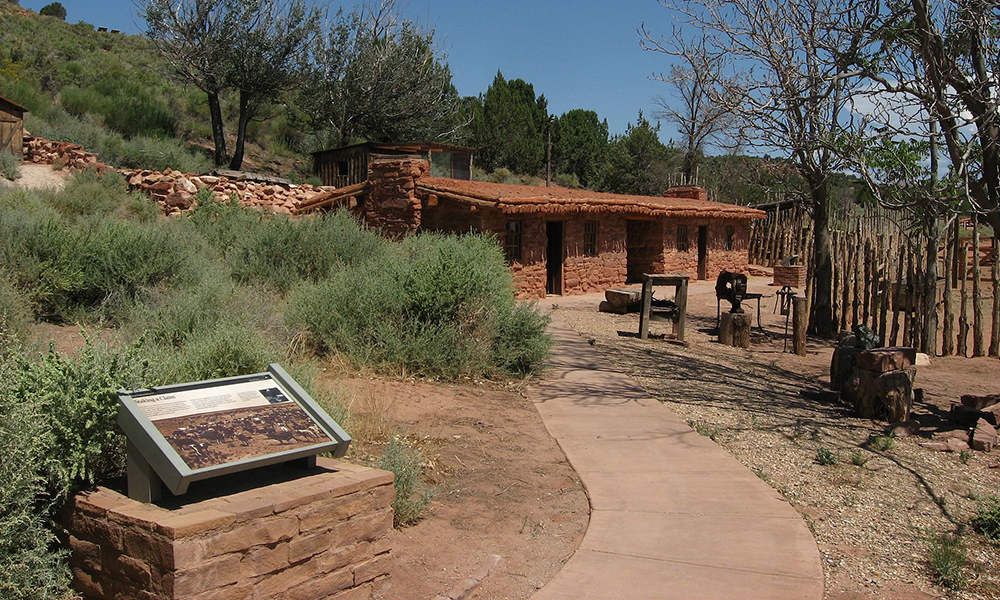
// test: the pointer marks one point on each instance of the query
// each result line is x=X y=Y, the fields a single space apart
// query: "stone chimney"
x=694 y=192
x=392 y=206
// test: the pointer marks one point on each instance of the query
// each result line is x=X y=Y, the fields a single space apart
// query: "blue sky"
x=581 y=54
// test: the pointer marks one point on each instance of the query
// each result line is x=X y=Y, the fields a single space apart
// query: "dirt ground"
x=874 y=510
x=502 y=486
x=40 y=177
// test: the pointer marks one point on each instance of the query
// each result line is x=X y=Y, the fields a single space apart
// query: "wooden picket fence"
x=878 y=262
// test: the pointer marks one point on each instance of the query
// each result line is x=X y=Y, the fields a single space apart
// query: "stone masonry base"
x=321 y=535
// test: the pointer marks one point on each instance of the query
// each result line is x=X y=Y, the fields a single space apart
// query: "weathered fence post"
x=800 y=318
x=978 y=349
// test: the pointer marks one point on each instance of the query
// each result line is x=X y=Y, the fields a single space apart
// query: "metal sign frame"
x=152 y=460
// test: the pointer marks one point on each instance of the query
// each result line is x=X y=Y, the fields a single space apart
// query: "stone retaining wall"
x=324 y=535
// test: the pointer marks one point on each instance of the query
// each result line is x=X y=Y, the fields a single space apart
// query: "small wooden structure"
x=348 y=165
x=12 y=127
x=677 y=314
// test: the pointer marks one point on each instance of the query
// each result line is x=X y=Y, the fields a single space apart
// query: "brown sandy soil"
x=773 y=412
x=36 y=177
x=502 y=484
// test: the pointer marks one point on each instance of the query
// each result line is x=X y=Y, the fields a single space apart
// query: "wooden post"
x=726 y=329
x=856 y=276
x=681 y=300
x=963 y=316
x=995 y=330
x=845 y=275
x=837 y=268
x=948 y=335
x=907 y=324
x=896 y=295
x=800 y=318
x=978 y=349
x=647 y=301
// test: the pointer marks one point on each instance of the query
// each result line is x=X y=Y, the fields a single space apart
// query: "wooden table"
x=679 y=318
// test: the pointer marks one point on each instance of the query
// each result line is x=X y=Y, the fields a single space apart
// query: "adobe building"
x=11 y=127
x=557 y=240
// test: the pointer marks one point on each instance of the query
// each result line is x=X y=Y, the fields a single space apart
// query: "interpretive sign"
x=187 y=432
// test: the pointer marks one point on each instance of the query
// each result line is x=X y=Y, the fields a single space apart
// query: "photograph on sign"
x=221 y=424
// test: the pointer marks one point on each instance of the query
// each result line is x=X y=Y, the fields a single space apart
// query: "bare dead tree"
x=776 y=66
x=699 y=120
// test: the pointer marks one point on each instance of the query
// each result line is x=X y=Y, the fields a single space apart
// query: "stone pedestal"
x=320 y=535
x=881 y=384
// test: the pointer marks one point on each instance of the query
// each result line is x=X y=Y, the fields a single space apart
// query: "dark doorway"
x=643 y=246
x=554 y=257
x=703 y=252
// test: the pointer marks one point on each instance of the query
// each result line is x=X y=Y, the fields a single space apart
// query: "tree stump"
x=741 y=330
x=842 y=366
x=875 y=395
x=726 y=329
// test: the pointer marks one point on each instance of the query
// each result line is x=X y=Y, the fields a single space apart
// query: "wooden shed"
x=12 y=127
x=348 y=165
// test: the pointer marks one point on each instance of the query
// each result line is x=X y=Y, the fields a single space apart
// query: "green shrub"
x=280 y=252
x=435 y=305
x=947 y=558
x=883 y=443
x=29 y=567
x=15 y=315
x=226 y=350
x=412 y=495
x=987 y=519
x=825 y=457
x=570 y=180
x=10 y=166
x=79 y=400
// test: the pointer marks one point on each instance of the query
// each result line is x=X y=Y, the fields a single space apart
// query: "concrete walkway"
x=673 y=515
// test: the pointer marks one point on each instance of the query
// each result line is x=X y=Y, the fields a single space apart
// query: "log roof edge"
x=328 y=198
x=522 y=199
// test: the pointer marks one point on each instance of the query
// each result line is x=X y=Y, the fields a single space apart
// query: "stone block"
x=237 y=545
x=376 y=567
x=979 y=402
x=883 y=360
x=984 y=437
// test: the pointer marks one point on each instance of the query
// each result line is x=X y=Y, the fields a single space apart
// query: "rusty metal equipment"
x=785 y=295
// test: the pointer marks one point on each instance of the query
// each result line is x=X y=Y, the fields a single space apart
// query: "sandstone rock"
x=179 y=200
x=184 y=185
x=984 y=437
x=922 y=360
x=979 y=402
x=162 y=186
x=209 y=179
x=882 y=360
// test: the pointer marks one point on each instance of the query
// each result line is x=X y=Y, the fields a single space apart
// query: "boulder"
x=979 y=402
x=623 y=301
x=963 y=415
x=179 y=200
x=983 y=437
x=903 y=429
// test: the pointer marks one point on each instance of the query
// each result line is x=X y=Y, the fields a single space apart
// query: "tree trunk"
x=948 y=335
x=995 y=329
x=218 y=132
x=928 y=343
x=978 y=349
x=822 y=309
x=241 y=132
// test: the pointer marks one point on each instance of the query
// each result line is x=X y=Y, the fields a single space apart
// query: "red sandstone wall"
x=735 y=260
x=391 y=205
x=585 y=274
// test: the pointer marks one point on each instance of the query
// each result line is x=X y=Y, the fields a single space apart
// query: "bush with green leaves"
x=987 y=519
x=434 y=305
x=10 y=166
x=15 y=315
x=948 y=560
x=412 y=494
x=30 y=568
